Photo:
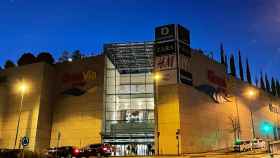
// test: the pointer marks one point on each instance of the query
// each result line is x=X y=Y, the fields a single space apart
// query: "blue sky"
x=253 y=26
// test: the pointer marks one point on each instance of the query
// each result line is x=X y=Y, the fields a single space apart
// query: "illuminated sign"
x=172 y=54
x=76 y=82
x=217 y=94
x=164 y=48
x=78 y=78
x=166 y=62
x=213 y=78
x=274 y=109
x=166 y=32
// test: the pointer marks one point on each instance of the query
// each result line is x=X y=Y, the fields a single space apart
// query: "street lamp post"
x=252 y=94
x=22 y=87
x=156 y=79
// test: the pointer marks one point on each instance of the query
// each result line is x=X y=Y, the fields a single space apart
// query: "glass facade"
x=129 y=96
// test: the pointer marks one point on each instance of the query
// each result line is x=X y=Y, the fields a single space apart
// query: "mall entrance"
x=132 y=146
x=129 y=98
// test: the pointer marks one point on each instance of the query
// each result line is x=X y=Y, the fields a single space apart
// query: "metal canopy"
x=133 y=57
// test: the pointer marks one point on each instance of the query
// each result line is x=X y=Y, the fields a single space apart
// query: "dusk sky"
x=253 y=26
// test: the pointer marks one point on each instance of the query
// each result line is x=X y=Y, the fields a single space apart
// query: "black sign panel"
x=165 y=48
x=183 y=35
x=184 y=49
x=166 y=32
x=186 y=77
x=3 y=79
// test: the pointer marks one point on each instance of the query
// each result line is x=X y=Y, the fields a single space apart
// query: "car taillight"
x=76 y=151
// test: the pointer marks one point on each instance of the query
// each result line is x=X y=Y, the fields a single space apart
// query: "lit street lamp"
x=252 y=94
x=157 y=78
x=22 y=88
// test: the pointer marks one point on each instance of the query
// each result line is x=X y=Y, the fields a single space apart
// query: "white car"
x=242 y=145
x=258 y=144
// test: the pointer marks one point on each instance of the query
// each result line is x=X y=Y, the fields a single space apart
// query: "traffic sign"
x=25 y=141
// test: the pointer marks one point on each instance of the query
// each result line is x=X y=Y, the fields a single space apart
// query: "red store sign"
x=217 y=80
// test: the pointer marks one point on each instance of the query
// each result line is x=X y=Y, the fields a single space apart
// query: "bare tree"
x=235 y=127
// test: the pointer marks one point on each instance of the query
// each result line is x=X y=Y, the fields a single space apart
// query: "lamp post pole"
x=238 y=118
x=19 y=117
x=156 y=112
x=252 y=123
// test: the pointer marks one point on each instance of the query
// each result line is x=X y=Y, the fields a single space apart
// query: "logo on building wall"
x=172 y=54
x=274 y=109
x=165 y=62
x=218 y=95
x=217 y=80
x=76 y=83
x=217 y=91
x=166 y=32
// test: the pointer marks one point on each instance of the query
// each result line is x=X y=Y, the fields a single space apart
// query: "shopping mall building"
x=162 y=93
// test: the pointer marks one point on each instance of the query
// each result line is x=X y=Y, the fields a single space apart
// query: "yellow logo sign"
x=89 y=75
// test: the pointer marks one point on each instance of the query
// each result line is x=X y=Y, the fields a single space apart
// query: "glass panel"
x=129 y=101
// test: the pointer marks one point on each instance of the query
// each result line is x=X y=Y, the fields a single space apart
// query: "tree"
x=257 y=81
x=26 y=58
x=262 y=82
x=64 y=57
x=232 y=66
x=76 y=55
x=222 y=53
x=235 y=125
x=9 y=64
x=226 y=63
x=278 y=88
x=267 y=85
x=248 y=73
x=240 y=66
x=45 y=57
x=273 y=87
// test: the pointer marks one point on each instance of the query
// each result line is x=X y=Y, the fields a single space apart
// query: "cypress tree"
x=257 y=81
x=278 y=88
x=273 y=86
x=262 y=82
x=226 y=63
x=248 y=72
x=222 y=54
x=240 y=66
x=267 y=85
x=232 y=66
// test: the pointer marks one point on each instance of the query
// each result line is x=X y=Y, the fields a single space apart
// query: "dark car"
x=10 y=153
x=97 y=150
x=64 y=151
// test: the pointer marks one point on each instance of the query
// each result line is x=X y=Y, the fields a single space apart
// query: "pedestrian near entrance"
x=153 y=149
x=128 y=149
x=149 y=149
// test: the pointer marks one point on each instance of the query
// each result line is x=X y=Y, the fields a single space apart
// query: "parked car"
x=64 y=151
x=258 y=144
x=10 y=153
x=96 y=150
x=242 y=145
